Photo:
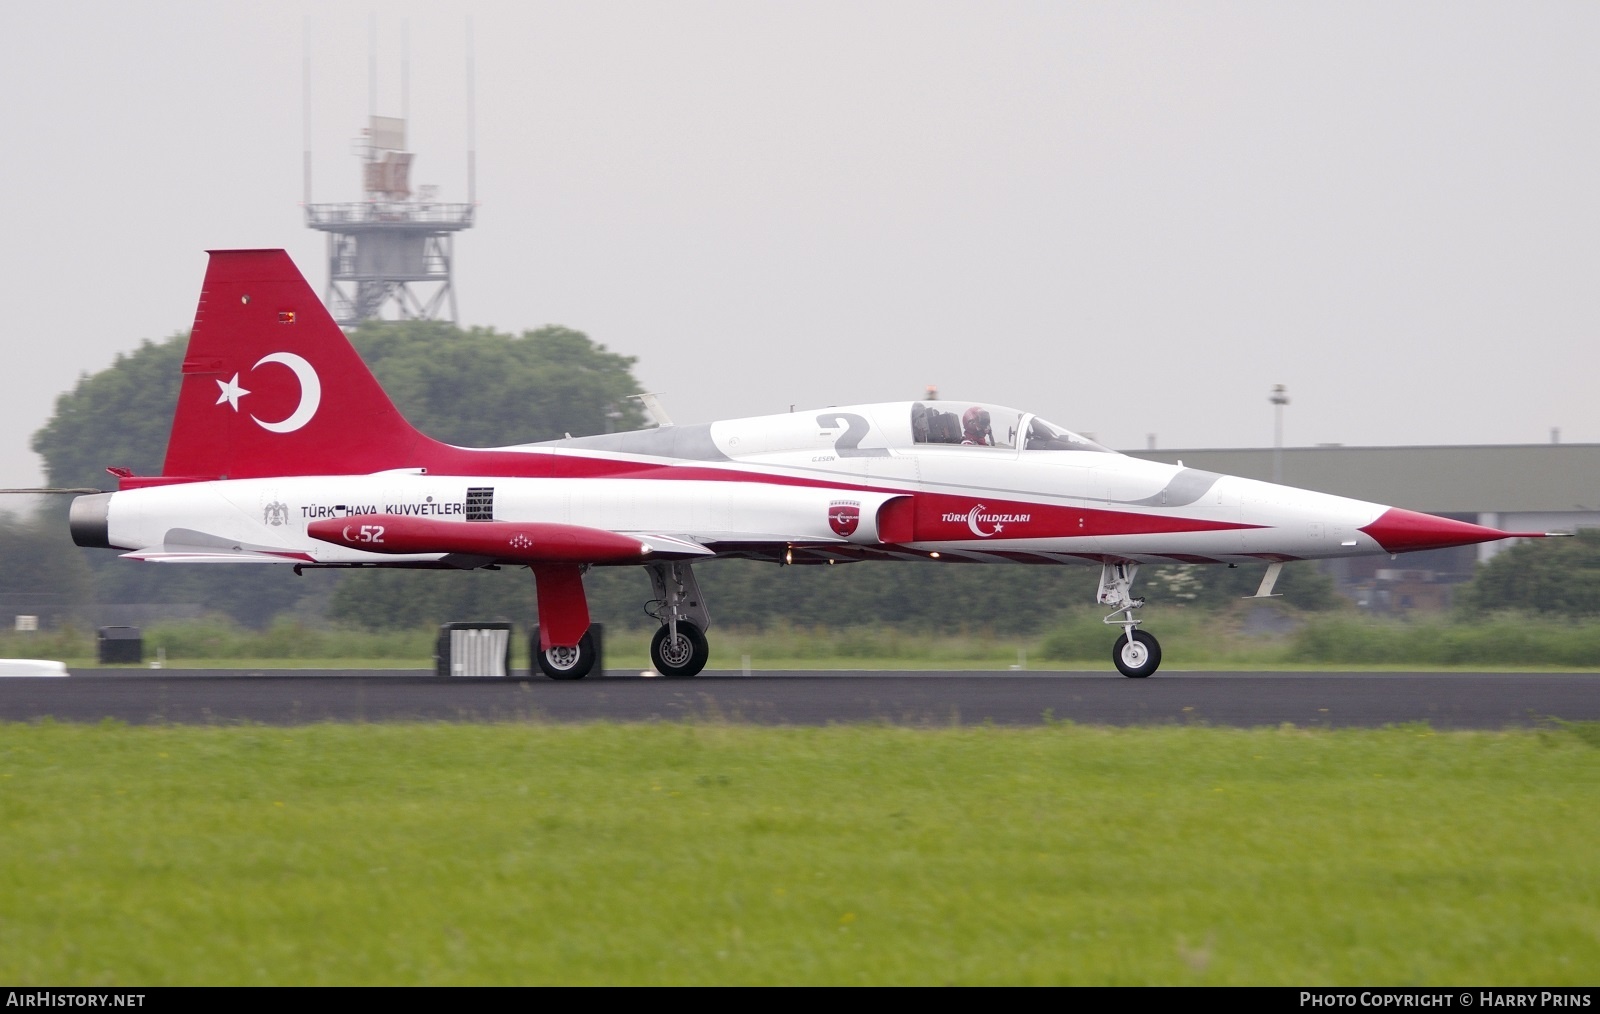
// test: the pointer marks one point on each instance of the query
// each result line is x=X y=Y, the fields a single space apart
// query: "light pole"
x=1279 y=398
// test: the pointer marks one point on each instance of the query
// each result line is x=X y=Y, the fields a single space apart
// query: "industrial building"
x=1517 y=487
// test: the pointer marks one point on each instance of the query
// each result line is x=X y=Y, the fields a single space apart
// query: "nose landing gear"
x=1136 y=654
x=679 y=648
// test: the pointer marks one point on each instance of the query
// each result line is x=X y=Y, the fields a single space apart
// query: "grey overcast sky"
x=1133 y=218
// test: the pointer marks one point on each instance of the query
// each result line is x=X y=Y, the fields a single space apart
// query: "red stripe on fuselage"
x=936 y=517
x=943 y=517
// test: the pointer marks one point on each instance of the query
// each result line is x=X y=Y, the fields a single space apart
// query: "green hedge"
x=1503 y=639
x=1189 y=637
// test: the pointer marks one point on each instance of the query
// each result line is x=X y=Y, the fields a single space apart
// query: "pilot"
x=975 y=427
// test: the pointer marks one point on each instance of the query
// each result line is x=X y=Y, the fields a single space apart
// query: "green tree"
x=406 y=599
x=922 y=595
x=41 y=572
x=475 y=387
x=1301 y=584
x=745 y=593
x=1552 y=576
x=482 y=388
x=119 y=416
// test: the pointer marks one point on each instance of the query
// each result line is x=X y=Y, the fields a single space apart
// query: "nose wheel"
x=680 y=652
x=1138 y=656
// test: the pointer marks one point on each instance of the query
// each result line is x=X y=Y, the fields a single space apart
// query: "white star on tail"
x=231 y=392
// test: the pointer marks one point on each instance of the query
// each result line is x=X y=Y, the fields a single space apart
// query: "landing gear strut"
x=1136 y=654
x=563 y=647
x=679 y=648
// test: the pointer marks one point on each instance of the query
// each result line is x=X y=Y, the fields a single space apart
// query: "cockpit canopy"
x=976 y=425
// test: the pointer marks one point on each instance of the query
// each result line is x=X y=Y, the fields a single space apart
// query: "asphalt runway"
x=1483 y=700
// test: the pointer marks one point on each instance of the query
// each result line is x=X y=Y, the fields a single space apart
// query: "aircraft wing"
x=527 y=543
x=664 y=544
x=185 y=545
x=207 y=554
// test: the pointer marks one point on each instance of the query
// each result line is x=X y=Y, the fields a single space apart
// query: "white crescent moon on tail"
x=310 y=392
x=345 y=533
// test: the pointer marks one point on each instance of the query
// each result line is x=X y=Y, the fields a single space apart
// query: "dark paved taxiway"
x=293 y=696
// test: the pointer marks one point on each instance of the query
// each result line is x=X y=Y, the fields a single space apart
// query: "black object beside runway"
x=1244 y=699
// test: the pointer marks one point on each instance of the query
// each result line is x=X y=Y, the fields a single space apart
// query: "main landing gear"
x=564 y=662
x=679 y=648
x=1136 y=654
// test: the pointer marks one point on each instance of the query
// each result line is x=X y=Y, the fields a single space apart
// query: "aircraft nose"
x=1400 y=531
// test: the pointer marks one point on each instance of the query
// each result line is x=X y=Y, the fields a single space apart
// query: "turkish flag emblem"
x=844 y=517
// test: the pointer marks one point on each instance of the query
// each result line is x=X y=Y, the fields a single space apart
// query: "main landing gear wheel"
x=568 y=662
x=1139 y=657
x=682 y=656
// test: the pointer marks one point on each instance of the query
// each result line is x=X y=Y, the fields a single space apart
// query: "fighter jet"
x=285 y=450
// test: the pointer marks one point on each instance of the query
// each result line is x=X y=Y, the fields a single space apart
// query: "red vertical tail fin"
x=271 y=385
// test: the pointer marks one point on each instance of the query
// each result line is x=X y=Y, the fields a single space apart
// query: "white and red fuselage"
x=771 y=487
x=284 y=449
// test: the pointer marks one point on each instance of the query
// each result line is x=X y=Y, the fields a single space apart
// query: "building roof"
x=1501 y=478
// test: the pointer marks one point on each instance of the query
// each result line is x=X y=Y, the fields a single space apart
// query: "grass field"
x=710 y=853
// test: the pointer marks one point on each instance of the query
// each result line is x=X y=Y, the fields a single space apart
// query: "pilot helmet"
x=975 y=423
